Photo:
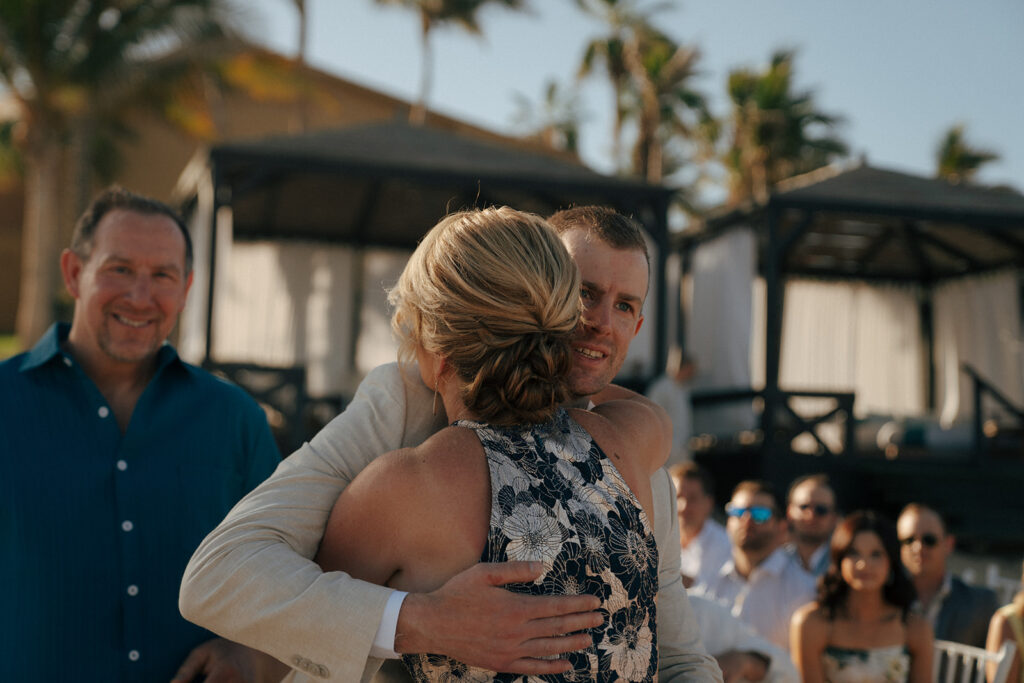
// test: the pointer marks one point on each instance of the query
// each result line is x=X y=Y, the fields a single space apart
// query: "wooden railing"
x=781 y=423
x=985 y=431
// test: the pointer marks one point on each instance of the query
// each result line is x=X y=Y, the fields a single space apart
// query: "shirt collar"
x=49 y=347
x=773 y=565
x=934 y=606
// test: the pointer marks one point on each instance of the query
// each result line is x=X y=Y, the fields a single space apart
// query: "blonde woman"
x=1008 y=624
x=861 y=629
x=488 y=304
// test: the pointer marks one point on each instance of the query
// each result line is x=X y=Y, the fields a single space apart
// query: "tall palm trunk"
x=40 y=249
x=418 y=112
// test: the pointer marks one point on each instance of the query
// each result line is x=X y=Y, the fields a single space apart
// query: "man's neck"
x=928 y=587
x=805 y=550
x=121 y=383
x=747 y=561
x=688 y=533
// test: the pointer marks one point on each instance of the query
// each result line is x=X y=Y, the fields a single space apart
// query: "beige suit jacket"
x=251 y=580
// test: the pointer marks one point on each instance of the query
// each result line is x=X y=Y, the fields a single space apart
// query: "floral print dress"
x=556 y=498
x=877 y=665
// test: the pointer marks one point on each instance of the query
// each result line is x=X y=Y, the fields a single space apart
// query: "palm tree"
x=555 y=120
x=956 y=161
x=670 y=111
x=73 y=67
x=623 y=18
x=434 y=13
x=774 y=133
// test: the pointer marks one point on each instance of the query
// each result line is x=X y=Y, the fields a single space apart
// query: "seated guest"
x=956 y=611
x=1008 y=624
x=812 y=515
x=741 y=653
x=762 y=583
x=704 y=545
x=489 y=303
x=671 y=391
x=861 y=628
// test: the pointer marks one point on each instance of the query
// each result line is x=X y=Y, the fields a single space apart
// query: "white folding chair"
x=959 y=663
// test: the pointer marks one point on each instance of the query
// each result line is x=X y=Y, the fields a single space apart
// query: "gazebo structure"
x=382 y=186
x=871 y=225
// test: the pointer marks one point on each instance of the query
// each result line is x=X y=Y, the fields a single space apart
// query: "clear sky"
x=899 y=72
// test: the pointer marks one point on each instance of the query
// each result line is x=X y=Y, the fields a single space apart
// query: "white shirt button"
x=103 y=411
x=133 y=590
x=127 y=525
x=133 y=655
x=122 y=465
x=67 y=361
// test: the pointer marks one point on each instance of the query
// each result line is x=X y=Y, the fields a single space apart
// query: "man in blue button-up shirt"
x=116 y=459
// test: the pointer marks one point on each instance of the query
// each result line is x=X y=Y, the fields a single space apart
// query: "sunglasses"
x=819 y=510
x=927 y=540
x=758 y=513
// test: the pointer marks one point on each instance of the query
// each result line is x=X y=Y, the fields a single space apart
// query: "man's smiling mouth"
x=129 y=322
x=589 y=353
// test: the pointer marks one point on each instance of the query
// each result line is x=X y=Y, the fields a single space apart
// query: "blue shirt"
x=96 y=526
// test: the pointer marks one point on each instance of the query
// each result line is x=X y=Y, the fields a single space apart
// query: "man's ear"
x=71 y=266
x=188 y=286
x=639 y=323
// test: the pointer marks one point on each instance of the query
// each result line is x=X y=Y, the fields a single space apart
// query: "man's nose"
x=141 y=288
x=597 y=317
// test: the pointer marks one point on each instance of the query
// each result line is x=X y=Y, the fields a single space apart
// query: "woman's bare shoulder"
x=812 y=614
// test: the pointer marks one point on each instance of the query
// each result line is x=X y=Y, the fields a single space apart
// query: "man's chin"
x=585 y=385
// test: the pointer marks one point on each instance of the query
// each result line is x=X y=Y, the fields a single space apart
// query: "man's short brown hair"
x=756 y=486
x=112 y=199
x=617 y=230
x=694 y=472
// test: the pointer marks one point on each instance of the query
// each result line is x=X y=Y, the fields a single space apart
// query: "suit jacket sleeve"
x=681 y=655
x=252 y=579
x=965 y=614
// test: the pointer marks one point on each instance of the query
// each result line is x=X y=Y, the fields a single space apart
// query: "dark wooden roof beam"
x=942 y=245
x=875 y=248
x=909 y=237
x=367 y=205
x=1012 y=241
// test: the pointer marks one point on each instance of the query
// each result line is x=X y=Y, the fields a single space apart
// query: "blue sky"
x=899 y=72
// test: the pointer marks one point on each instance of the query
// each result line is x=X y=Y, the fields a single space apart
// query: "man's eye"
x=625 y=308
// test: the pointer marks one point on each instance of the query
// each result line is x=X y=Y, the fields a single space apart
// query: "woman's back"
x=556 y=498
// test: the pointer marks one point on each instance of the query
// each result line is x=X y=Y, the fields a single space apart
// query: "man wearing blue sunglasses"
x=762 y=582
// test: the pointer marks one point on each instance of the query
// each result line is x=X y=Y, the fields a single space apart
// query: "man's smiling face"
x=613 y=291
x=130 y=289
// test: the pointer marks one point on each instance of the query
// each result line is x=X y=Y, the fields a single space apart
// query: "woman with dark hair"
x=861 y=628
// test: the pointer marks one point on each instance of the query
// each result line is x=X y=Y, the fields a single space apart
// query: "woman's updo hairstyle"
x=496 y=293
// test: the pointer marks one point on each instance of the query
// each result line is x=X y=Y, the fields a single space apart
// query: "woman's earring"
x=435 y=397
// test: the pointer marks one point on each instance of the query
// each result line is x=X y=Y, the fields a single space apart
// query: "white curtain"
x=977 y=321
x=855 y=337
x=291 y=303
x=719 y=328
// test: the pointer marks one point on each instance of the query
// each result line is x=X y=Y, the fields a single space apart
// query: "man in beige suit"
x=251 y=579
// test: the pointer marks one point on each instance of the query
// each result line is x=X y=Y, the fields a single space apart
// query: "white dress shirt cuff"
x=384 y=641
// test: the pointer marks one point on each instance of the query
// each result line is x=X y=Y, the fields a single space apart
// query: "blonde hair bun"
x=496 y=293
